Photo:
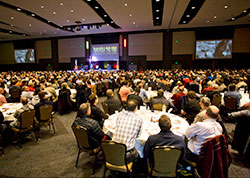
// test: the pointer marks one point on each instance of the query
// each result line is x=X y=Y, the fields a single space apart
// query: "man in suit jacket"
x=113 y=103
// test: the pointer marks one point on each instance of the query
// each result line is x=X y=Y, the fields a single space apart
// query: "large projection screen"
x=105 y=52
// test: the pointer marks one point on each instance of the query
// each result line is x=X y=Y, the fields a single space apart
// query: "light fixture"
x=57 y=29
x=24 y=34
x=33 y=15
x=55 y=32
x=226 y=6
x=208 y=21
x=49 y=21
x=68 y=21
x=88 y=0
x=233 y=18
x=30 y=25
x=44 y=30
x=157 y=0
x=11 y=25
x=187 y=15
x=184 y=22
x=245 y=11
x=11 y=18
x=157 y=17
x=83 y=19
x=105 y=15
x=18 y=9
x=107 y=24
x=10 y=31
x=111 y=22
x=42 y=6
x=71 y=10
x=54 y=13
x=96 y=7
x=130 y=15
x=193 y=7
x=61 y=4
x=125 y=4
x=87 y=44
x=40 y=33
x=133 y=22
x=157 y=10
x=215 y=17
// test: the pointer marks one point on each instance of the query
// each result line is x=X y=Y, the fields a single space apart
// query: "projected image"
x=25 y=56
x=105 y=52
x=214 y=49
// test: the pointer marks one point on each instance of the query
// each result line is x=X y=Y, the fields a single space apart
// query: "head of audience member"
x=84 y=110
x=49 y=84
x=93 y=99
x=125 y=83
x=210 y=83
x=131 y=105
x=42 y=95
x=179 y=83
x=109 y=93
x=216 y=87
x=1 y=91
x=36 y=92
x=25 y=88
x=24 y=101
x=191 y=95
x=231 y=87
x=181 y=89
x=160 y=93
x=212 y=112
x=205 y=102
x=64 y=85
x=137 y=91
x=165 y=123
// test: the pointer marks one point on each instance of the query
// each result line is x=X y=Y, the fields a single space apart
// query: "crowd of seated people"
x=191 y=94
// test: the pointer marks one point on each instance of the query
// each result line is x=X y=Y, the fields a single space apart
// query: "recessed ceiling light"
x=24 y=34
x=33 y=15
x=208 y=21
x=11 y=18
x=245 y=11
x=57 y=29
x=10 y=31
x=130 y=15
x=68 y=21
x=49 y=21
x=133 y=22
x=233 y=18
x=215 y=17
x=96 y=7
x=157 y=10
x=83 y=19
x=55 y=32
x=40 y=33
x=111 y=22
x=30 y=25
x=71 y=10
x=184 y=21
x=54 y=13
x=157 y=17
x=105 y=15
x=157 y=0
x=88 y=0
x=42 y=6
x=18 y=9
x=187 y=15
x=11 y=25
x=125 y=4
x=44 y=30
x=61 y=4
x=226 y=6
x=193 y=7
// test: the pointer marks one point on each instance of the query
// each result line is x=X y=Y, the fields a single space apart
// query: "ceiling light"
x=88 y=0
x=187 y=15
x=24 y=34
x=111 y=22
x=107 y=24
x=193 y=7
x=54 y=13
x=57 y=29
x=68 y=21
x=105 y=15
x=42 y=6
x=49 y=21
x=40 y=33
x=96 y=7
x=233 y=18
x=83 y=19
x=130 y=15
x=10 y=31
x=55 y=32
x=133 y=22
x=71 y=10
x=208 y=21
x=11 y=18
x=226 y=6
x=11 y=25
x=157 y=0
x=33 y=15
x=30 y=25
x=44 y=30
x=157 y=10
x=215 y=17
x=136 y=26
x=61 y=4
x=184 y=22
x=125 y=4
x=157 y=17
x=245 y=11
x=18 y=9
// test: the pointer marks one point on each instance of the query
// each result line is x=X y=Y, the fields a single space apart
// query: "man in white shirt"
x=199 y=132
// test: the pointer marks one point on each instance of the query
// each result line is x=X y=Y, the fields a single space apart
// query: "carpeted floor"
x=55 y=155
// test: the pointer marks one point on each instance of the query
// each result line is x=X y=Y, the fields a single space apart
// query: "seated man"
x=204 y=103
x=160 y=99
x=177 y=97
x=113 y=103
x=95 y=133
x=18 y=112
x=124 y=92
x=43 y=101
x=164 y=138
x=128 y=127
x=231 y=92
x=135 y=96
x=199 y=132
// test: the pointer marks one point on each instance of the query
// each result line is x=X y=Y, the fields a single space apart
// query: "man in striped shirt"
x=128 y=127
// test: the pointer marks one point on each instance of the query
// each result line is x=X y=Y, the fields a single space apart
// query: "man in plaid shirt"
x=128 y=127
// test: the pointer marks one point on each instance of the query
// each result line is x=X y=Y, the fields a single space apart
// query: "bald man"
x=199 y=132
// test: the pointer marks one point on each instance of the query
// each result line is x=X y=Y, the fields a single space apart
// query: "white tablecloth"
x=152 y=94
x=73 y=92
x=8 y=110
x=244 y=99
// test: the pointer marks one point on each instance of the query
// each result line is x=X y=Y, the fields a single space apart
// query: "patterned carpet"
x=55 y=155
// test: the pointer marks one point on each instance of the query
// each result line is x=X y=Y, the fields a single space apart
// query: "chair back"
x=45 y=112
x=15 y=93
x=105 y=107
x=64 y=102
x=230 y=103
x=217 y=100
x=27 y=119
x=81 y=136
x=115 y=155
x=165 y=161
x=157 y=107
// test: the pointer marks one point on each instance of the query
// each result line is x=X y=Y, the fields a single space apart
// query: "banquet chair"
x=115 y=157
x=81 y=136
x=157 y=107
x=46 y=117
x=105 y=107
x=64 y=103
x=165 y=161
x=26 y=125
x=230 y=104
x=15 y=95
x=217 y=100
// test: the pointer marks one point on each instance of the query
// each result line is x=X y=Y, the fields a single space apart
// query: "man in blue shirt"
x=233 y=93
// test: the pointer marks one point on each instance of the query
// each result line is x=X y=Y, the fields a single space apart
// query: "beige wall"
x=43 y=49
x=7 y=55
x=241 y=41
x=149 y=45
x=183 y=43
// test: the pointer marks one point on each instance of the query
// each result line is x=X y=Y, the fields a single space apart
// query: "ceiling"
x=129 y=15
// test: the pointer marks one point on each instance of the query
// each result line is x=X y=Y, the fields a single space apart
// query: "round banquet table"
x=149 y=127
x=8 y=110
